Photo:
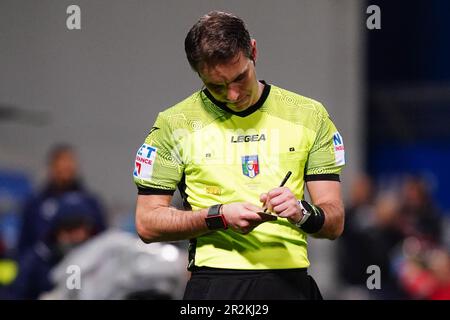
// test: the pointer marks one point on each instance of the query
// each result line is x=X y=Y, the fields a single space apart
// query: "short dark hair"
x=57 y=150
x=216 y=38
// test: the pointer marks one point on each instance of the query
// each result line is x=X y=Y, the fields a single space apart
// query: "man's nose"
x=232 y=93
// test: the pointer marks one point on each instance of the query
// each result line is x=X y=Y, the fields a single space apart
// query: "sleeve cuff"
x=150 y=191
x=322 y=177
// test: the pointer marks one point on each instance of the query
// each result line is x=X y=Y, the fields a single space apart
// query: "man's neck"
x=260 y=91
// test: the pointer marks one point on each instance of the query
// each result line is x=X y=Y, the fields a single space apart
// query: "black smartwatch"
x=215 y=220
x=313 y=217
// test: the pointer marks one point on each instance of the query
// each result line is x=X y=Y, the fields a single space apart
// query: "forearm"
x=169 y=224
x=334 y=220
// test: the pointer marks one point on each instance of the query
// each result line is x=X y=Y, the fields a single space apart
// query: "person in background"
x=420 y=216
x=63 y=178
x=423 y=269
x=371 y=234
x=71 y=225
x=353 y=250
x=8 y=269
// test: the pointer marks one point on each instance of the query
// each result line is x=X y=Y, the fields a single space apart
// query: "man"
x=71 y=225
x=227 y=147
x=63 y=179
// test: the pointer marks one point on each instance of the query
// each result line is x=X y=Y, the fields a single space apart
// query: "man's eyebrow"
x=240 y=75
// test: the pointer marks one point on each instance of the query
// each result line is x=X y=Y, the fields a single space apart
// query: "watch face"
x=215 y=222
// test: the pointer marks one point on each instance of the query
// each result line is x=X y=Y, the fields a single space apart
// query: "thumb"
x=252 y=207
x=263 y=197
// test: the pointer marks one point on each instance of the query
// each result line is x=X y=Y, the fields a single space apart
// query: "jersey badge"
x=250 y=166
x=145 y=159
x=339 y=150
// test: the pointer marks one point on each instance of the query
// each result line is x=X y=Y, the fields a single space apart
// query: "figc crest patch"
x=250 y=166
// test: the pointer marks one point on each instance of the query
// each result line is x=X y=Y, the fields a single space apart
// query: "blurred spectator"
x=401 y=233
x=423 y=269
x=383 y=236
x=8 y=269
x=63 y=178
x=353 y=249
x=370 y=233
x=71 y=225
x=419 y=215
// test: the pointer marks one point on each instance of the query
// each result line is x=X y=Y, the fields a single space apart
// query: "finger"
x=267 y=206
x=282 y=198
x=245 y=227
x=256 y=218
x=279 y=190
x=275 y=192
x=288 y=210
x=251 y=207
x=279 y=209
x=263 y=197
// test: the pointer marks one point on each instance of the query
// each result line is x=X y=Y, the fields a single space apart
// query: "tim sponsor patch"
x=145 y=158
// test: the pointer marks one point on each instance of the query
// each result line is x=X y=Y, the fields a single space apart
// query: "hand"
x=282 y=202
x=242 y=217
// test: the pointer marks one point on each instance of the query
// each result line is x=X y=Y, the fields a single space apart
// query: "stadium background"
x=100 y=88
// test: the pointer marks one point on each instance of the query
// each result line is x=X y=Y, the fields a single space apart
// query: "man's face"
x=64 y=169
x=233 y=83
x=73 y=236
x=70 y=238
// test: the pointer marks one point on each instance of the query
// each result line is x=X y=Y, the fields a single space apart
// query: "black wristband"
x=315 y=221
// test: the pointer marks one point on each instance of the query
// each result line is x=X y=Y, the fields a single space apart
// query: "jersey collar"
x=247 y=111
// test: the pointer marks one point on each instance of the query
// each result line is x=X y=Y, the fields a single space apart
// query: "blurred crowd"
x=399 y=229
x=402 y=231
x=63 y=226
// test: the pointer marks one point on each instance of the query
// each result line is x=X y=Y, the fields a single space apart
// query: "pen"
x=288 y=174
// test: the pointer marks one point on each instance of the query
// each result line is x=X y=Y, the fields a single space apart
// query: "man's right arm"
x=157 y=221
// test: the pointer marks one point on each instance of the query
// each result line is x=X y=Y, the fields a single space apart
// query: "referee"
x=227 y=147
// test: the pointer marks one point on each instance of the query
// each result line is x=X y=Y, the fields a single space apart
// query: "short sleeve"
x=327 y=155
x=158 y=168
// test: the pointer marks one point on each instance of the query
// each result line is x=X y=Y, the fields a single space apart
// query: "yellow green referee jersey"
x=215 y=155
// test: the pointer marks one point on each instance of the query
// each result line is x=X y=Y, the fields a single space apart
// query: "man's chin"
x=238 y=107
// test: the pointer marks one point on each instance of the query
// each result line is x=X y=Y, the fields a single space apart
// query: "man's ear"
x=254 y=51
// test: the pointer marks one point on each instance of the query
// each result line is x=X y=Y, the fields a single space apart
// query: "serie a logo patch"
x=339 y=150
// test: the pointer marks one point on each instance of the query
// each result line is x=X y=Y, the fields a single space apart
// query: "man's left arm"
x=327 y=196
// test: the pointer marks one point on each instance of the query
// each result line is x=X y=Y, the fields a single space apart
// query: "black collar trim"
x=247 y=111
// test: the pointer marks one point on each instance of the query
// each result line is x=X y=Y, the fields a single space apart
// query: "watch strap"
x=305 y=214
x=214 y=219
x=214 y=210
